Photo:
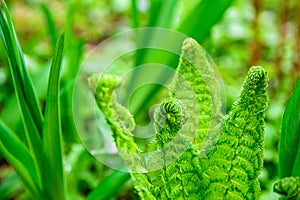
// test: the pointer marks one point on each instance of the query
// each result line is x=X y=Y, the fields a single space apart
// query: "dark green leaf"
x=27 y=101
x=161 y=13
x=15 y=56
x=135 y=14
x=110 y=186
x=197 y=25
x=53 y=172
x=289 y=145
x=18 y=156
x=73 y=56
x=50 y=23
x=203 y=17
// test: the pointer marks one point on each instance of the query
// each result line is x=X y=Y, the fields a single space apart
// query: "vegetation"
x=230 y=169
x=43 y=157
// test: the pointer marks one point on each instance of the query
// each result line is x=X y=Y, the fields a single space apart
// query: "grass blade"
x=296 y=171
x=29 y=109
x=203 y=17
x=197 y=25
x=18 y=156
x=50 y=23
x=135 y=14
x=161 y=13
x=3 y=39
x=53 y=173
x=72 y=58
x=109 y=187
x=15 y=56
x=289 y=145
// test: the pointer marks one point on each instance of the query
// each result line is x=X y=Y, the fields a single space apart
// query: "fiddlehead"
x=197 y=71
x=185 y=120
x=288 y=188
x=168 y=120
x=176 y=179
x=174 y=160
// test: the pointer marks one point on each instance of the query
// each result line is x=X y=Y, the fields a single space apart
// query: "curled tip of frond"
x=254 y=91
x=288 y=187
x=99 y=80
x=188 y=43
x=170 y=114
x=257 y=76
x=191 y=49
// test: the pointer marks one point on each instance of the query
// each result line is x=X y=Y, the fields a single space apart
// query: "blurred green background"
x=236 y=33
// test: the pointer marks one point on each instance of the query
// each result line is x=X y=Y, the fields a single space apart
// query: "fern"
x=189 y=125
x=288 y=188
x=121 y=122
x=233 y=165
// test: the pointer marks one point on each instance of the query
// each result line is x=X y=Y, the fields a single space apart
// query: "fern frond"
x=121 y=123
x=171 y=153
x=187 y=127
x=199 y=92
x=233 y=165
x=185 y=120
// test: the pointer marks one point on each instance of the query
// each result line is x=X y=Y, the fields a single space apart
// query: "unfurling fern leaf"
x=288 y=188
x=182 y=124
x=105 y=99
x=195 y=77
x=187 y=126
x=176 y=176
x=233 y=165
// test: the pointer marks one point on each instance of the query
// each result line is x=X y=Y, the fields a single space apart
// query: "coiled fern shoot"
x=196 y=152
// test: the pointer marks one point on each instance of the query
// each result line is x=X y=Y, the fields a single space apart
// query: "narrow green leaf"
x=289 y=144
x=203 y=17
x=161 y=13
x=135 y=14
x=296 y=168
x=3 y=39
x=50 y=23
x=72 y=61
x=18 y=156
x=53 y=172
x=25 y=93
x=15 y=56
x=110 y=186
x=197 y=25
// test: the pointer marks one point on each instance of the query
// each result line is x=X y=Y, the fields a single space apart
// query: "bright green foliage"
x=117 y=116
x=121 y=122
x=233 y=165
x=288 y=188
x=192 y=108
x=195 y=69
x=186 y=128
x=38 y=159
x=177 y=176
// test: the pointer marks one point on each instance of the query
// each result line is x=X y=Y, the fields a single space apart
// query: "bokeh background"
x=236 y=33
